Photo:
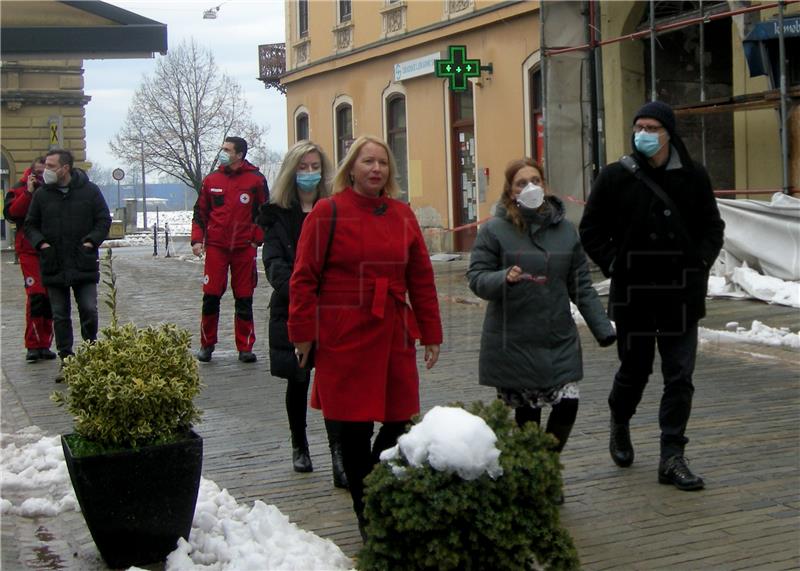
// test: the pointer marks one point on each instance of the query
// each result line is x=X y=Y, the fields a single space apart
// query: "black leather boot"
x=619 y=444
x=301 y=459
x=674 y=470
x=337 y=466
x=204 y=354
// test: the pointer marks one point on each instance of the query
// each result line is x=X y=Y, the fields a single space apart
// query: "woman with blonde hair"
x=360 y=261
x=304 y=178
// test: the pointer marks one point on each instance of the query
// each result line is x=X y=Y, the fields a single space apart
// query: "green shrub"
x=428 y=519
x=133 y=386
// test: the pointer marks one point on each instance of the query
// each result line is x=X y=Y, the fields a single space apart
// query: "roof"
x=85 y=29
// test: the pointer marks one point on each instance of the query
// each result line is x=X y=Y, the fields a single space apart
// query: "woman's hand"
x=431 y=355
x=301 y=351
x=514 y=274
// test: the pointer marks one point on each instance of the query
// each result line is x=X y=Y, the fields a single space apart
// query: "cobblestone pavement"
x=745 y=432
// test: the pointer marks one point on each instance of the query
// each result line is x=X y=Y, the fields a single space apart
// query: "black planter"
x=137 y=503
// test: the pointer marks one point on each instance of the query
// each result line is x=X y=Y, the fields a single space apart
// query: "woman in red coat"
x=350 y=293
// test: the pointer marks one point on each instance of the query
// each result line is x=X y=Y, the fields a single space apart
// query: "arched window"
x=344 y=130
x=397 y=139
x=301 y=127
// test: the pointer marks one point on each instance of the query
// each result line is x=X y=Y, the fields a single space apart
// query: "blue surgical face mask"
x=308 y=181
x=224 y=158
x=647 y=143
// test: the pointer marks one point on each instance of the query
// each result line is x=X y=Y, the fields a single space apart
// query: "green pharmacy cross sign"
x=458 y=68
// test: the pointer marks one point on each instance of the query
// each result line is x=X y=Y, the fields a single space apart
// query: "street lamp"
x=211 y=13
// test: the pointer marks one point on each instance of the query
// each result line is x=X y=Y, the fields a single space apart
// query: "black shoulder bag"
x=310 y=360
x=631 y=165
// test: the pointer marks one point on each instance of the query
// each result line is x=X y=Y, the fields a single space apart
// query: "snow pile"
x=33 y=468
x=144 y=239
x=759 y=334
x=766 y=288
x=180 y=221
x=450 y=440
x=228 y=536
x=225 y=536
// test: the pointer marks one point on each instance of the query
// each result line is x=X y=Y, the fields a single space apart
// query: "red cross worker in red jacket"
x=225 y=228
x=38 y=314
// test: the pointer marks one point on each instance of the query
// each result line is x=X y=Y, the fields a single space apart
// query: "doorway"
x=465 y=184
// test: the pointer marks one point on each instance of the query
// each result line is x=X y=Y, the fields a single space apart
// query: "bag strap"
x=330 y=241
x=631 y=165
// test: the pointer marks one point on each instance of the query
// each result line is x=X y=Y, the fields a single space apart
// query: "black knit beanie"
x=659 y=111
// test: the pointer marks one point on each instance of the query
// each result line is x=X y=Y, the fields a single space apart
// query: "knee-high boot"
x=334 y=430
x=296 y=392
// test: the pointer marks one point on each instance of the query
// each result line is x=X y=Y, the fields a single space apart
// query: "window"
x=536 y=114
x=344 y=130
x=302 y=18
x=398 y=141
x=301 y=127
x=345 y=10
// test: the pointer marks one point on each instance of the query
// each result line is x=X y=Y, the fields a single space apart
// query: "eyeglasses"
x=540 y=279
x=647 y=128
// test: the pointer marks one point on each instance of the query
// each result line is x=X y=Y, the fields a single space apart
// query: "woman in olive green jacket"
x=528 y=263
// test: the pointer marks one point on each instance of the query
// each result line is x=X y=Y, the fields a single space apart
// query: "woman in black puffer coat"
x=303 y=179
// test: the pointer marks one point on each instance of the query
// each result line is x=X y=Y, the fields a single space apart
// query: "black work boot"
x=47 y=354
x=204 y=354
x=337 y=466
x=247 y=357
x=32 y=355
x=301 y=459
x=674 y=470
x=619 y=444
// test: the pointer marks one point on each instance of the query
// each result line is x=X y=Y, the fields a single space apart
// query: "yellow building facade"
x=370 y=72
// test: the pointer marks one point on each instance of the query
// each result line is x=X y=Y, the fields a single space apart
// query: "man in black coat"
x=657 y=246
x=67 y=221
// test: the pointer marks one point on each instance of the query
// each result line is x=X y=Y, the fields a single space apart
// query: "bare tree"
x=182 y=113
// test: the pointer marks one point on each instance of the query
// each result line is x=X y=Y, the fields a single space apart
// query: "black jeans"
x=636 y=349
x=86 y=298
x=359 y=455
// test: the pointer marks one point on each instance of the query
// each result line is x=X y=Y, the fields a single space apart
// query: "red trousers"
x=38 y=316
x=242 y=265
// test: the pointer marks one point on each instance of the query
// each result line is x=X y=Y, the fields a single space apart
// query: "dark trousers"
x=636 y=348
x=297 y=408
x=360 y=455
x=86 y=298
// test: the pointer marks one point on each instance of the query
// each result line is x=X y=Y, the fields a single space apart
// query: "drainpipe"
x=593 y=95
x=652 y=50
x=784 y=111
x=702 y=83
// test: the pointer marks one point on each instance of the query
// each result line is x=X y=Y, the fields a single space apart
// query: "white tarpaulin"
x=765 y=235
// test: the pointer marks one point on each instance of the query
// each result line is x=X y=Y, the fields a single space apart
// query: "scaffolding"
x=779 y=97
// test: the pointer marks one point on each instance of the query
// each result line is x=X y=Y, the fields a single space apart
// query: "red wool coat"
x=17 y=202
x=366 y=368
x=227 y=208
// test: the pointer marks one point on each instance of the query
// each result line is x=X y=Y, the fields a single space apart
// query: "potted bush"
x=421 y=518
x=133 y=459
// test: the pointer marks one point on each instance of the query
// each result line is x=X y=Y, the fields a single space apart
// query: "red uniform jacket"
x=17 y=202
x=362 y=321
x=227 y=207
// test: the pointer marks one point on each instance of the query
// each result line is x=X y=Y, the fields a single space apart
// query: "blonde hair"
x=342 y=178
x=284 y=190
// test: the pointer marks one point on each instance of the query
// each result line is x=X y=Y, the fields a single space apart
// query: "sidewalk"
x=745 y=432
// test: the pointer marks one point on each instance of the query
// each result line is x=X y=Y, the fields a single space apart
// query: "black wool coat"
x=66 y=221
x=658 y=271
x=281 y=232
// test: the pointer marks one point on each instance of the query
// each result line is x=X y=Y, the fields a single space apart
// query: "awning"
x=761 y=45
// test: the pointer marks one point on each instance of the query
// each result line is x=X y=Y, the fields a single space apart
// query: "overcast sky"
x=240 y=27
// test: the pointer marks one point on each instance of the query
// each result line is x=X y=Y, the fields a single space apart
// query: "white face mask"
x=531 y=196
x=49 y=177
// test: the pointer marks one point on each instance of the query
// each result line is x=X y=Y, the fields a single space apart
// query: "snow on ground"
x=225 y=536
x=758 y=334
x=180 y=221
x=449 y=439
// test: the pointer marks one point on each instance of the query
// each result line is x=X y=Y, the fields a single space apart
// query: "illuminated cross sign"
x=457 y=68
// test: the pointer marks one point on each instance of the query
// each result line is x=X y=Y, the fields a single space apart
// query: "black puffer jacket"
x=281 y=232
x=66 y=221
x=635 y=239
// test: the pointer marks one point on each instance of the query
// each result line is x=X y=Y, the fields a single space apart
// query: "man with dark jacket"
x=67 y=221
x=657 y=246
x=224 y=226
x=38 y=316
